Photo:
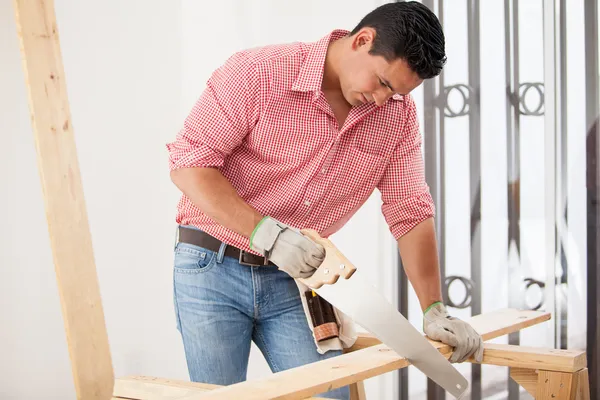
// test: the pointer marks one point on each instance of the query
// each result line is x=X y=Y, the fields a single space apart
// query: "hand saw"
x=355 y=297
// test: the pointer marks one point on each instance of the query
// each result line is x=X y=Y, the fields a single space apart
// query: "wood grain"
x=356 y=366
x=527 y=378
x=151 y=388
x=64 y=203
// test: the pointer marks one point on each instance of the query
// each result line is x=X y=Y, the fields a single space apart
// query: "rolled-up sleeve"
x=405 y=194
x=223 y=115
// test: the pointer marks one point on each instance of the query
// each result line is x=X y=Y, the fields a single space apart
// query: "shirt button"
x=307 y=203
x=323 y=170
x=397 y=96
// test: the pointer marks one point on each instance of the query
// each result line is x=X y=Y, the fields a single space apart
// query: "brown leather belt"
x=203 y=239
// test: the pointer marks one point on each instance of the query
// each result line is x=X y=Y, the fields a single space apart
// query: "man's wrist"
x=265 y=234
x=432 y=305
x=256 y=229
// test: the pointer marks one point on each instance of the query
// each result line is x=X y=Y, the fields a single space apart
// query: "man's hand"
x=287 y=248
x=440 y=326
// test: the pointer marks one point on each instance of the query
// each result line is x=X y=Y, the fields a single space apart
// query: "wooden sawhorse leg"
x=557 y=385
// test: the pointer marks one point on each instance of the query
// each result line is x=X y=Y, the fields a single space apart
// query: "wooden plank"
x=503 y=321
x=559 y=360
x=489 y=325
x=494 y=354
x=357 y=389
x=65 y=208
x=343 y=370
x=525 y=377
x=363 y=341
x=152 y=388
x=146 y=387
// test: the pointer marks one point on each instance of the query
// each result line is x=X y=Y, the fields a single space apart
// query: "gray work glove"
x=440 y=326
x=287 y=248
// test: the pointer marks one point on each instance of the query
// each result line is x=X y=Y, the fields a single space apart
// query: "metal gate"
x=511 y=154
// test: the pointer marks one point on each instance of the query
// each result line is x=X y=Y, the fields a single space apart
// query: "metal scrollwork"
x=533 y=282
x=524 y=88
x=468 y=284
x=465 y=93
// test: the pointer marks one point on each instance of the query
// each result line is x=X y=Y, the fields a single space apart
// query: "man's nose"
x=380 y=98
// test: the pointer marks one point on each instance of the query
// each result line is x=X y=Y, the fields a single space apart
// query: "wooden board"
x=65 y=208
x=489 y=325
x=308 y=380
x=150 y=388
x=524 y=363
x=559 y=360
x=525 y=377
x=503 y=321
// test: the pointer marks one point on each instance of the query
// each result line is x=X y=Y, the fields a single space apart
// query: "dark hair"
x=407 y=30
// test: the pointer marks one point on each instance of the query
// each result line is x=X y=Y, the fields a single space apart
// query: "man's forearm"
x=214 y=195
x=418 y=249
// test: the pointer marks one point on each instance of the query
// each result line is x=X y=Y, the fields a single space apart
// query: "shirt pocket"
x=191 y=259
x=373 y=144
x=365 y=162
x=361 y=171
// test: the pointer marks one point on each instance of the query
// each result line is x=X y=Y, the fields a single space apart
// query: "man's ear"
x=363 y=39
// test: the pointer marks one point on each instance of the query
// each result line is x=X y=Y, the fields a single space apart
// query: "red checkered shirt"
x=264 y=122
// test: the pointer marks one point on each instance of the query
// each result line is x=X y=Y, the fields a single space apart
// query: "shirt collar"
x=311 y=72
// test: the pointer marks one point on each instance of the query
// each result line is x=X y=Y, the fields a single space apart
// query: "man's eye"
x=382 y=83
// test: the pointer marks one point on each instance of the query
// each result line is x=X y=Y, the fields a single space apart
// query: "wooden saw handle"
x=334 y=265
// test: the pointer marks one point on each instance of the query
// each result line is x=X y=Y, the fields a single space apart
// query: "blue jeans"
x=221 y=306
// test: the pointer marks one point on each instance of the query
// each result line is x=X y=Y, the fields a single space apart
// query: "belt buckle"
x=249 y=264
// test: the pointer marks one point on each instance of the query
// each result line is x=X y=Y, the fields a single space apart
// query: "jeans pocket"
x=191 y=259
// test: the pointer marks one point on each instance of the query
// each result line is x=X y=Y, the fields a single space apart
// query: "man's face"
x=365 y=78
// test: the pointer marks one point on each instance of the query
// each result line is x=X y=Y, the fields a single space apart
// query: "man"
x=294 y=136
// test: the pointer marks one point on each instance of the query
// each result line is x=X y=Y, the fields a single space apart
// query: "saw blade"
x=362 y=302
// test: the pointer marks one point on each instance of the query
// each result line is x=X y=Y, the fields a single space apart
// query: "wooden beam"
x=363 y=341
x=66 y=213
x=527 y=378
x=357 y=391
x=147 y=388
x=374 y=360
x=559 y=360
x=366 y=363
x=311 y=379
x=567 y=361
x=489 y=325
x=343 y=370
x=151 y=388
x=504 y=321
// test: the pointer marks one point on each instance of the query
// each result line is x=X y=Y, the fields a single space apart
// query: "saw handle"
x=333 y=266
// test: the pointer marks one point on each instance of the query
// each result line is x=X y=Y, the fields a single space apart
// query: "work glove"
x=440 y=326
x=287 y=248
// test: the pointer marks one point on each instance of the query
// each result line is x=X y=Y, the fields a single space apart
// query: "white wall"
x=123 y=72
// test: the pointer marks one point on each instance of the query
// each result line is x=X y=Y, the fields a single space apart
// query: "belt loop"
x=221 y=253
